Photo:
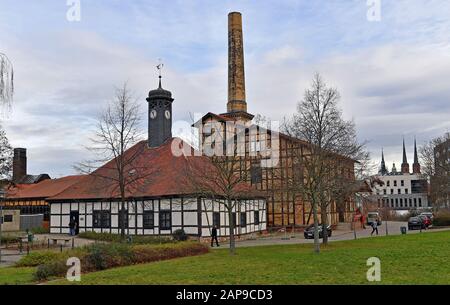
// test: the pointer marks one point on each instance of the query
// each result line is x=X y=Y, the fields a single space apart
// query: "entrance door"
x=76 y=215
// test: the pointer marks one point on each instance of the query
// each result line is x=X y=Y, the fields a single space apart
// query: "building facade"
x=160 y=195
x=285 y=207
x=402 y=190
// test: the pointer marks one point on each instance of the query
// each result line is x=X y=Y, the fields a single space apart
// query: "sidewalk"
x=393 y=228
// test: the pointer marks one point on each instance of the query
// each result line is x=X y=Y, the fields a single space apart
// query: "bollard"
x=403 y=230
x=61 y=246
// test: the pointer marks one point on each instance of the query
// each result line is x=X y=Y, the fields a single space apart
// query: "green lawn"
x=16 y=276
x=410 y=259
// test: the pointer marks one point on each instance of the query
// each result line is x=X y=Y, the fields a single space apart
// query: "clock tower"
x=159 y=116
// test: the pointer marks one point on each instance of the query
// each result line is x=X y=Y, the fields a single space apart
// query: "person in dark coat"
x=375 y=226
x=214 y=237
x=72 y=225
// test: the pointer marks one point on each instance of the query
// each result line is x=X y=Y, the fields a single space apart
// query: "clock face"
x=153 y=114
x=167 y=114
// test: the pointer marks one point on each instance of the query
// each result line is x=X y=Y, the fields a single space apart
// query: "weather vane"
x=160 y=66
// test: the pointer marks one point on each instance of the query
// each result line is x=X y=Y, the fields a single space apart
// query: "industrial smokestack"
x=19 y=164
x=236 y=77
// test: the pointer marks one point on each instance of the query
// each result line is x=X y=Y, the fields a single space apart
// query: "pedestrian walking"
x=72 y=225
x=363 y=221
x=214 y=237
x=374 y=226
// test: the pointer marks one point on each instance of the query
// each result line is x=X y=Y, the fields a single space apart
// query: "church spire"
x=383 y=170
x=416 y=165
x=405 y=164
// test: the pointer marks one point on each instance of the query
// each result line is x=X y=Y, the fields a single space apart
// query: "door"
x=76 y=216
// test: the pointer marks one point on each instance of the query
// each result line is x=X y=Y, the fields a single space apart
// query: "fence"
x=31 y=221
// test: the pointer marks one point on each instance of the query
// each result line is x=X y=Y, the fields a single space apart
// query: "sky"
x=392 y=73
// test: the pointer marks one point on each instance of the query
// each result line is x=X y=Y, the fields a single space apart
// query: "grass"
x=410 y=259
x=16 y=276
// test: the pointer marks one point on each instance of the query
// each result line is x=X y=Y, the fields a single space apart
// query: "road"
x=393 y=228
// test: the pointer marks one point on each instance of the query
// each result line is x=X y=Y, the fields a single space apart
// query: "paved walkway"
x=10 y=256
x=393 y=228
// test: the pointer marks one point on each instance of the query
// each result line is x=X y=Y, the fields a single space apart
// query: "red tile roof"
x=152 y=172
x=43 y=189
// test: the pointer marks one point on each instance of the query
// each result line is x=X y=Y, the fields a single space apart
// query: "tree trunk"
x=232 y=241
x=324 y=218
x=316 y=229
x=122 y=218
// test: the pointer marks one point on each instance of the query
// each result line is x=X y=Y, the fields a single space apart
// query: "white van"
x=373 y=216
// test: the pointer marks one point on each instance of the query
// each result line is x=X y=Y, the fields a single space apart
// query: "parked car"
x=426 y=220
x=428 y=214
x=372 y=216
x=309 y=231
x=416 y=223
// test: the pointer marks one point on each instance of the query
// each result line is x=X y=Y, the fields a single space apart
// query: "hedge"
x=100 y=256
x=442 y=219
x=137 y=239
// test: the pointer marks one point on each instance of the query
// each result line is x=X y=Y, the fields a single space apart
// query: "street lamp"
x=385 y=204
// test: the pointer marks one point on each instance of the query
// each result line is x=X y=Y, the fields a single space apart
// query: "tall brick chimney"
x=236 y=77
x=19 y=164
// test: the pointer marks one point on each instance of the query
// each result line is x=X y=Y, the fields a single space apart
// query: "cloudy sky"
x=393 y=75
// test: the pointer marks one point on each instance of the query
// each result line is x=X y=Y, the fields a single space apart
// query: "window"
x=406 y=191
x=125 y=218
x=388 y=183
x=399 y=191
x=392 y=191
x=395 y=182
x=256 y=173
x=256 y=221
x=148 y=219
x=420 y=202
x=234 y=218
x=101 y=219
x=165 y=220
x=216 y=219
x=402 y=183
x=384 y=192
x=7 y=218
x=243 y=219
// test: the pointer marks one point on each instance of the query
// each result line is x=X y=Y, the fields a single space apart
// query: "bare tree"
x=224 y=185
x=436 y=169
x=117 y=130
x=6 y=154
x=327 y=164
x=223 y=176
x=6 y=81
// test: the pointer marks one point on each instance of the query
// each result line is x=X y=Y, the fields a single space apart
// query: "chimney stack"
x=236 y=77
x=19 y=164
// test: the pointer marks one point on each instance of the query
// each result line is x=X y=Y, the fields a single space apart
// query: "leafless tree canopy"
x=118 y=129
x=436 y=168
x=6 y=82
x=327 y=165
x=222 y=179
x=6 y=154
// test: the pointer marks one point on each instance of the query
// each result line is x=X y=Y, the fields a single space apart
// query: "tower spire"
x=405 y=164
x=383 y=169
x=416 y=165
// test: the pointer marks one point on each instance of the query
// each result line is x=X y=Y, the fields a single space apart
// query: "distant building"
x=402 y=190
